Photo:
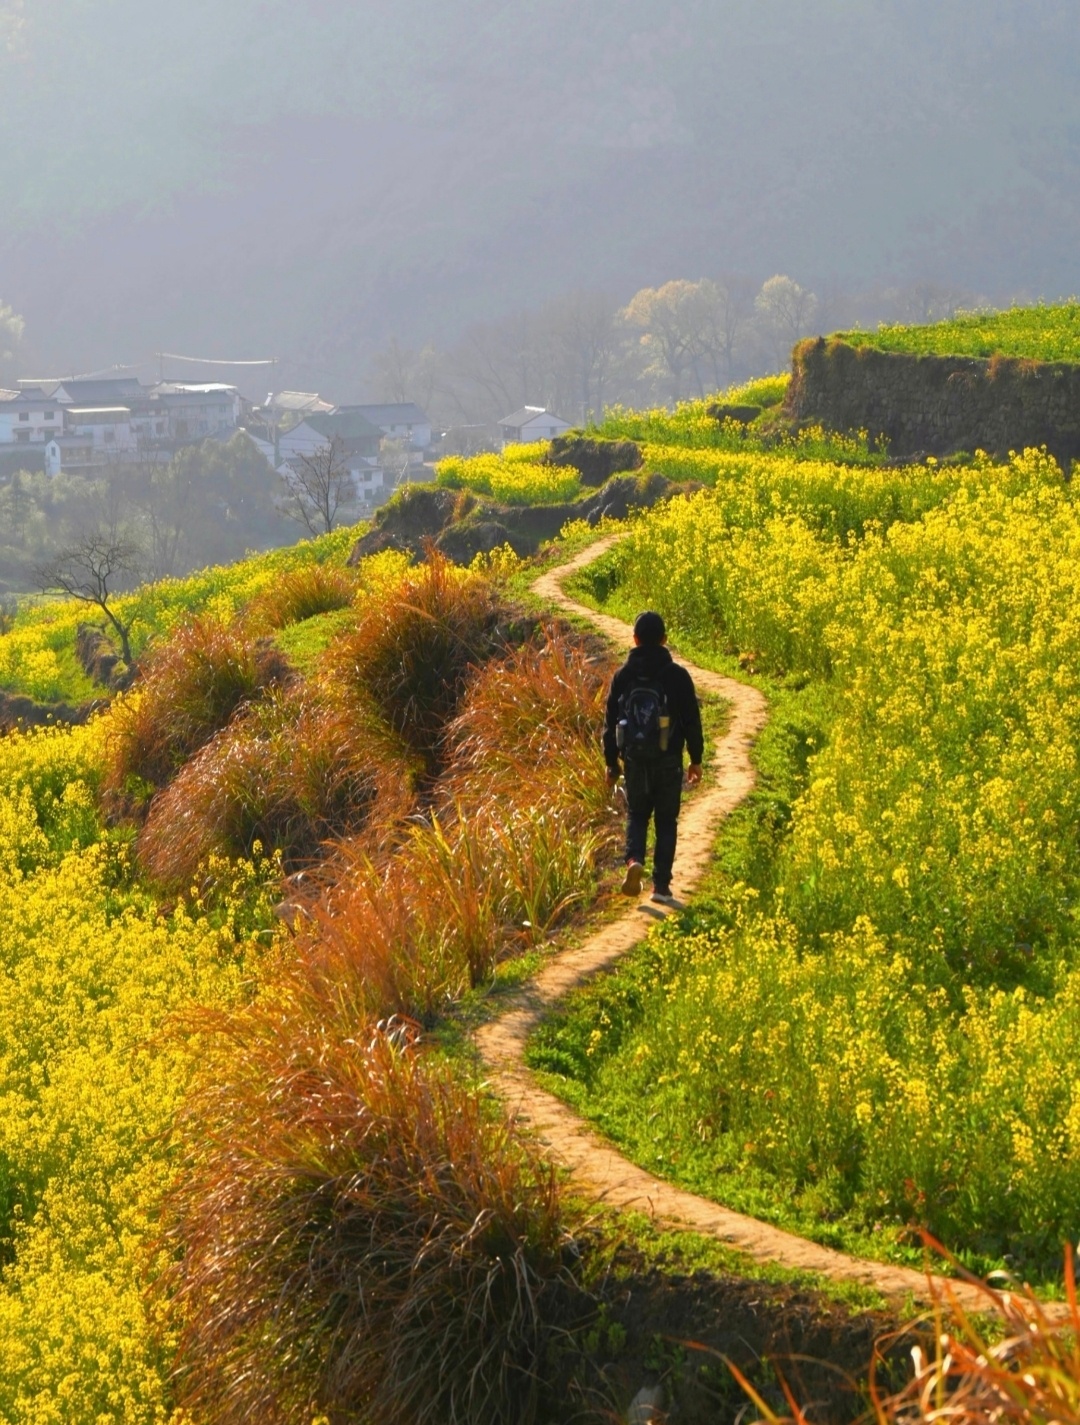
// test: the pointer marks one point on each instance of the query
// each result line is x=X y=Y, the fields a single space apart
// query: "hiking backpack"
x=644 y=729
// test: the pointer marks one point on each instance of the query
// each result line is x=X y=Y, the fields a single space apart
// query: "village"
x=83 y=426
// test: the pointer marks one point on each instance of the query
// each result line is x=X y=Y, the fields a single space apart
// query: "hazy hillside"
x=258 y=179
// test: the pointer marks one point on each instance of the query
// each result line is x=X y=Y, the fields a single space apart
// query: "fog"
x=312 y=182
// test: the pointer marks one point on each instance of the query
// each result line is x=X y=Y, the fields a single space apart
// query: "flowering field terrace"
x=873 y=1026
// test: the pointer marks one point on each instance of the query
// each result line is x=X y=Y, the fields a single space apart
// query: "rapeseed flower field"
x=91 y=968
x=516 y=476
x=37 y=656
x=875 y=1027
x=870 y=1023
x=125 y=967
x=1038 y=333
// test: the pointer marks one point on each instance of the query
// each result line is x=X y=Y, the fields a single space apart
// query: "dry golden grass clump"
x=190 y=687
x=521 y=818
x=414 y=931
x=289 y=772
x=1028 y=1373
x=414 y=647
x=533 y=720
x=355 y=1232
x=1015 y=1360
x=301 y=594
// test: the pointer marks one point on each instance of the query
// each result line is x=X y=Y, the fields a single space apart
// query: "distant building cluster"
x=75 y=425
x=80 y=425
x=83 y=425
x=378 y=445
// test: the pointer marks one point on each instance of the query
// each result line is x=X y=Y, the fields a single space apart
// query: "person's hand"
x=612 y=776
x=693 y=774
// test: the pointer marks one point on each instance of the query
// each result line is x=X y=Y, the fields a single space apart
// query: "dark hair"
x=649 y=628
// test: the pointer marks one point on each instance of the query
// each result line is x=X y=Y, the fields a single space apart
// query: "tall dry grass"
x=413 y=931
x=190 y=687
x=301 y=594
x=1014 y=1360
x=413 y=648
x=291 y=772
x=1029 y=1372
x=530 y=726
x=353 y=1231
x=511 y=846
x=356 y=1233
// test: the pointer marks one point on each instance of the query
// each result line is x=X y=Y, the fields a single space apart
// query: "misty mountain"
x=262 y=178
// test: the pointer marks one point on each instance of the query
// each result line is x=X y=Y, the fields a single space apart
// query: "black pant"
x=653 y=790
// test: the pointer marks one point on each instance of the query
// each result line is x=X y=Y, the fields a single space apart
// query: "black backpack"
x=644 y=730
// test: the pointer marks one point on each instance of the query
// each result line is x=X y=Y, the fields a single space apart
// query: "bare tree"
x=395 y=457
x=89 y=569
x=402 y=375
x=926 y=301
x=786 y=312
x=727 y=315
x=496 y=367
x=582 y=340
x=317 y=486
x=156 y=489
x=672 y=321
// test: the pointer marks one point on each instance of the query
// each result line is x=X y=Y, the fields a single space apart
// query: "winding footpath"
x=595 y=1166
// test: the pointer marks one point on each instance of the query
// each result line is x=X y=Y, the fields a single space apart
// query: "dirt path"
x=595 y=1165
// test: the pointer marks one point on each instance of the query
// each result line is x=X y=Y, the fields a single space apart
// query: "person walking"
x=652 y=717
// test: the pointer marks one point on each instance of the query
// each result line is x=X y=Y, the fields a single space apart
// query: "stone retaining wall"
x=937 y=405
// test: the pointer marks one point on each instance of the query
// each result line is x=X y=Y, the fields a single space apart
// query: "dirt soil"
x=681 y=1329
x=597 y=1168
x=461 y=524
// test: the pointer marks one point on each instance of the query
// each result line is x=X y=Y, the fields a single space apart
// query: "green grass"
x=683 y=1252
x=582 y=1050
x=37 y=657
x=1038 y=333
x=303 y=642
x=691 y=428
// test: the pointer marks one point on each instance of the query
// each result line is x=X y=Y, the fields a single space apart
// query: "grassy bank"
x=1044 y=332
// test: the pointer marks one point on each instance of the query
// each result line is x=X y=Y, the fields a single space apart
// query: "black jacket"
x=657 y=663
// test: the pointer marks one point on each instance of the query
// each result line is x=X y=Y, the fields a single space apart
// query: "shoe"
x=663 y=897
x=631 y=885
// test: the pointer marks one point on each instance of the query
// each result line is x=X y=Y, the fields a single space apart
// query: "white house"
x=370 y=483
x=264 y=447
x=300 y=403
x=197 y=411
x=72 y=452
x=106 y=429
x=89 y=391
x=300 y=440
x=355 y=437
x=530 y=424
x=400 y=420
x=29 y=417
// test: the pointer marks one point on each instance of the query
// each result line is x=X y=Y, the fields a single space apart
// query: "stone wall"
x=936 y=405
